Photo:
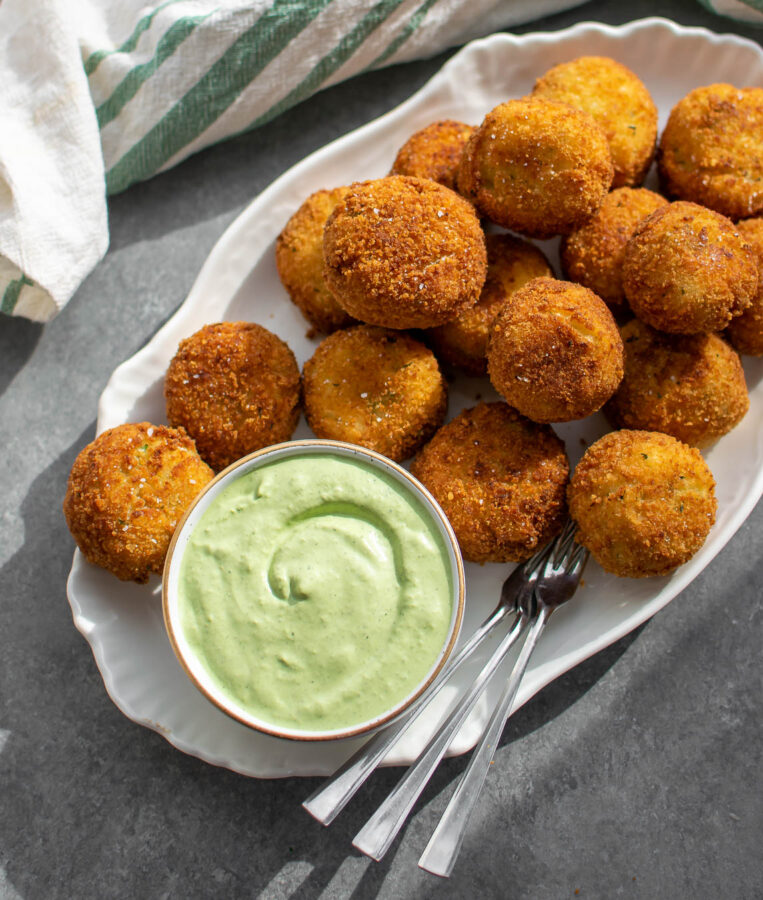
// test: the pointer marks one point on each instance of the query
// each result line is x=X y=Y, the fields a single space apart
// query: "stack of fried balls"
x=417 y=273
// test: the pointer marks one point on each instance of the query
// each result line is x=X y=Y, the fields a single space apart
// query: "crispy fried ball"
x=618 y=102
x=500 y=480
x=593 y=255
x=537 y=167
x=511 y=262
x=299 y=258
x=688 y=385
x=127 y=491
x=234 y=387
x=687 y=270
x=374 y=387
x=643 y=501
x=746 y=331
x=434 y=152
x=555 y=352
x=711 y=150
x=404 y=252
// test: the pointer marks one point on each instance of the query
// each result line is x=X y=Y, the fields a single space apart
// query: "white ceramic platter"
x=123 y=622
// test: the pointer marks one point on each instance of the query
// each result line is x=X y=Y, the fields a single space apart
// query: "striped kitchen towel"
x=99 y=94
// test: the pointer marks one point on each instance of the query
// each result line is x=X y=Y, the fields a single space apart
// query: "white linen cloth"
x=98 y=94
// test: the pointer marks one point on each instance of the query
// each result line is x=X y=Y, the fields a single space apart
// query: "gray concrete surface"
x=636 y=775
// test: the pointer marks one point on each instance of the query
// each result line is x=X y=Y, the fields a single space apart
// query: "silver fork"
x=555 y=585
x=331 y=798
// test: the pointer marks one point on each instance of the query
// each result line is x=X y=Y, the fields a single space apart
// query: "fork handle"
x=333 y=795
x=442 y=850
x=376 y=836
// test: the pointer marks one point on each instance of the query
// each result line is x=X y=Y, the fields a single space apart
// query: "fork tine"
x=577 y=561
x=564 y=545
x=556 y=550
x=534 y=563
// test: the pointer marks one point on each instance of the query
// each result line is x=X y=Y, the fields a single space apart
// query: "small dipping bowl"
x=349 y=527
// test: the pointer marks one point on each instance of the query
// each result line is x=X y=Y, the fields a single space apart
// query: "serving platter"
x=123 y=621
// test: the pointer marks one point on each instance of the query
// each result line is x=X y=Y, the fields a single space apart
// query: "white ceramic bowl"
x=172 y=601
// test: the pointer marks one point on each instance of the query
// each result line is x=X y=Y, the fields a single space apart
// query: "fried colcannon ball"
x=711 y=150
x=555 y=352
x=593 y=255
x=299 y=259
x=404 y=252
x=434 y=152
x=687 y=270
x=500 y=479
x=690 y=386
x=234 y=387
x=375 y=387
x=127 y=491
x=746 y=331
x=511 y=262
x=643 y=501
x=618 y=102
x=537 y=167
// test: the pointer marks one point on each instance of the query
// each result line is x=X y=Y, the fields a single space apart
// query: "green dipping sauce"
x=316 y=591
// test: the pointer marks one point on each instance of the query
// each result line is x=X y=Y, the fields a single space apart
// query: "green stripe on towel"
x=131 y=83
x=97 y=56
x=214 y=92
x=410 y=28
x=11 y=295
x=332 y=61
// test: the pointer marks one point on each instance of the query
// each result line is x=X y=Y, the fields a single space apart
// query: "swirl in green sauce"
x=316 y=591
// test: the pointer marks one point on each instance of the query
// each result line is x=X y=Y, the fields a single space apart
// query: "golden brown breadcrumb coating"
x=687 y=270
x=711 y=150
x=746 y=331
x=234 y=387
x=617 y=100
x=434 y=152
x=593 y=255
x=299 y=259
x=555 y=352
x=688 y=385
x=537 y=167
x=643 y=502
x=500 y=480
x=511 y=262
x=127 y=491
x=374 y=387
x=404 y=252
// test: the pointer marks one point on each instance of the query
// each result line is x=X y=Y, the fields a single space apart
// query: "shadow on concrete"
x=18 y=338
x=566 y=690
